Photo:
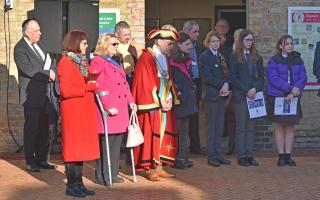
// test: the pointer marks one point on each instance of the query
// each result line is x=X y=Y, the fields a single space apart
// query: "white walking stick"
x=104 y=116
x=133 y=168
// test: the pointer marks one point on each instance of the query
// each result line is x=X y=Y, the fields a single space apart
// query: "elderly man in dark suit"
x=34 y=75
x=192 y=29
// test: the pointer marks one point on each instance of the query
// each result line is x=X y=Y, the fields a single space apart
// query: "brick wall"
x=15 y=111
x=130 y=10
x=133 y=12
x=268 y=20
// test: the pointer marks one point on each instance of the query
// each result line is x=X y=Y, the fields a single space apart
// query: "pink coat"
x=113 y=80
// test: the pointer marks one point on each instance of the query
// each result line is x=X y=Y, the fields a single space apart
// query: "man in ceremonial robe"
x=154 y=93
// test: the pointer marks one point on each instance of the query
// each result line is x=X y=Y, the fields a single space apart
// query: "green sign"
x=107 y=22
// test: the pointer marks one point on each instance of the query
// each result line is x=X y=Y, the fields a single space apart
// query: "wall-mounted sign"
x=108 y=18
x=304 y=27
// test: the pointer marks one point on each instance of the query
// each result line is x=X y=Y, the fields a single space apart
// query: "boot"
x=79 y=181
x=281 y=160
x=72 y=186
x=289 y=160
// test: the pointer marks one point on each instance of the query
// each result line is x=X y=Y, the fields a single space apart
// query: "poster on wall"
x=304 y=26
x=108 y=18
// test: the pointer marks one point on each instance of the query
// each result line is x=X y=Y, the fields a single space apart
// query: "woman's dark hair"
x=71 y=41
x=177 y=55
x=254 y=54
x=282 y=41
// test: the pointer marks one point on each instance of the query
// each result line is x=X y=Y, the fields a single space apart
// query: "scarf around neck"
x=80 y=61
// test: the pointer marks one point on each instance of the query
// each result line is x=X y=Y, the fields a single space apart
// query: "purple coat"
x=278 y=73
x=112 y=78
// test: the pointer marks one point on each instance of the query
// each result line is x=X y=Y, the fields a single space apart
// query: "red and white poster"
x=304 y=26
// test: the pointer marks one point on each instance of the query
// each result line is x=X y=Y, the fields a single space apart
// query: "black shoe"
x=46 y=165
x=290 y=161
x=230 y=150
x=85 y=190
x=75 y=191
x=252 y=161
x=281 y=161
x=198 y=151
x=100 y=182
x=188 y=163
x=243 y=162
x=224 y=161
x=33 y=167
x=179 y=164
x=214 y=163
x=117 y=179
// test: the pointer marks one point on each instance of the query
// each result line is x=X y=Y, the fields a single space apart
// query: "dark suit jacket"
x=33 y=80
x=243 y=80
x=316 y=62
x=199 y=49
x=213 y=76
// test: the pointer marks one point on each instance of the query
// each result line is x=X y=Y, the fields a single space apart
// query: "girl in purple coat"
x=286 y=75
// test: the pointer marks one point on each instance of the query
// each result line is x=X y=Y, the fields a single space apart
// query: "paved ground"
x=200 y=182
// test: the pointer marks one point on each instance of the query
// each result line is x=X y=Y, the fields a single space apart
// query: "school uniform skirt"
x=282 y=119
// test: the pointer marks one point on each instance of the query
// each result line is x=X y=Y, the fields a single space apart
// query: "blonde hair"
x=103 y=43
x=210 y=34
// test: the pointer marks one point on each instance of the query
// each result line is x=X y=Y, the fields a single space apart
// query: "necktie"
x=36 y=51
x=246 y=55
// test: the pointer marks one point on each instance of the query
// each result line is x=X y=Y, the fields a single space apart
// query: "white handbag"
x=135 y=136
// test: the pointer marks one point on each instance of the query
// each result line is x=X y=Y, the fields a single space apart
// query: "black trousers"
x=115 y=140
x=194 y=124
x=36 y=134
x=214 y=111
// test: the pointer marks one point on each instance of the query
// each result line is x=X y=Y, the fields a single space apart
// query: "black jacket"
x=33 y=80
x=186 y=91
x=213 y=76
x=242 y=79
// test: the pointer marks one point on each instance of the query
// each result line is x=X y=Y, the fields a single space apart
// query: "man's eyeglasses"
x=115 y=44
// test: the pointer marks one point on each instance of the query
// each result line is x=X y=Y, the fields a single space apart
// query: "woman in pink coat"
x=112 y=79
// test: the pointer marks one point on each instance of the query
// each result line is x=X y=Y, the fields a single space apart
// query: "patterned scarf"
x=80 y=61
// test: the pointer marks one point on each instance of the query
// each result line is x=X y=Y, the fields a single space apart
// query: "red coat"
x=160 y=136
x=78 y=114
x=112 y=79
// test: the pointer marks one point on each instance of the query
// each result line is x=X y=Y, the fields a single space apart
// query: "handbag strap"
x=131 y=118
x=136 y=118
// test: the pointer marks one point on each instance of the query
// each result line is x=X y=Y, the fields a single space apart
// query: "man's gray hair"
x=121 y=25
x=188 y=25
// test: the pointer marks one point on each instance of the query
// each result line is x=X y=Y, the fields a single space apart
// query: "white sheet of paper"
x=285 y=107
x=47 y=64
x=257 y=106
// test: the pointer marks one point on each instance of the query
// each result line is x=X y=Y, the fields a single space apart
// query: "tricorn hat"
x=163 y=34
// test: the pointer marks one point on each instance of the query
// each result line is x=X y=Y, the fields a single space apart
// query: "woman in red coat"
x=78 y=112
x=112 y=79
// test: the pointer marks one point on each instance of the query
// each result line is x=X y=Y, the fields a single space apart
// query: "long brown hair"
x=254 y=54
x=282 y=41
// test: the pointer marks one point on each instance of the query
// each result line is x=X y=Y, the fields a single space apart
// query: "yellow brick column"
x=13 y=26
